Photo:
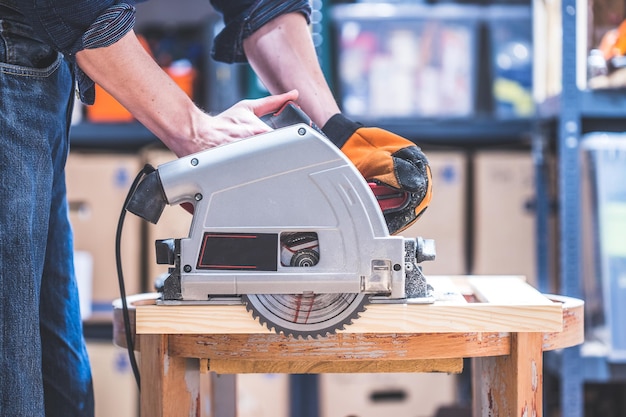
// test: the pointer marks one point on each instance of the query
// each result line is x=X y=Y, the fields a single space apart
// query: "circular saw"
x=284 y=223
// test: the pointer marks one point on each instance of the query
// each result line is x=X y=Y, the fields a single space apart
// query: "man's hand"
x=385 y=158
x=235 y=123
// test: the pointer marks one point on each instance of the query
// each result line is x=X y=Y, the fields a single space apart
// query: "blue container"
x=511 y=45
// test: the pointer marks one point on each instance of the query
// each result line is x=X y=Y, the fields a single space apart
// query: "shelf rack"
x=572 y=114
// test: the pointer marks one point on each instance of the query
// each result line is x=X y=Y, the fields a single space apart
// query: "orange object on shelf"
x=184 y=75
x=107 y=109
x=613 y=43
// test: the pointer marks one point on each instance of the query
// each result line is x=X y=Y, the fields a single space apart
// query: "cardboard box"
x=97 y=185
x=375 y=395
x=445 y=218
x=115 y=389
x=504 y=230
x=262 y=395
x=175 y=221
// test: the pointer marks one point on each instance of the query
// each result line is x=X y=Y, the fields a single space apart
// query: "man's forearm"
x=283 y=56
x=130 y=74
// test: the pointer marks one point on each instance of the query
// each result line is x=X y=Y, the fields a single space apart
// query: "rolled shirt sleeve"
x=244 y=17
x=71 y=26
x=115 y=22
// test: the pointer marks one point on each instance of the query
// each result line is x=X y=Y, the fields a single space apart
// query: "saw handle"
x=289 y=114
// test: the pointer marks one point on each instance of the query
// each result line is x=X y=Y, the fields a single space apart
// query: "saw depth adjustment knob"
x=425 y=250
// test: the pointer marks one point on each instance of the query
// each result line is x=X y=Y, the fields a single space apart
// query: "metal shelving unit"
x=603 y=104
x=460 y=132
x=118 y=136
x=451 y=132
x=568 y=138
x=572 y=114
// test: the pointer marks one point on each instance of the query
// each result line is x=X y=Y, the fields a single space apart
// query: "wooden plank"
x=471 y=317
x=512 y=306
x=510 y=385
x=242 y=366
x=448 y=290
x=512 y=291
x=378 y=318
x=349 y=347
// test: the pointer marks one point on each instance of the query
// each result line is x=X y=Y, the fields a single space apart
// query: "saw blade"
x=306 y=315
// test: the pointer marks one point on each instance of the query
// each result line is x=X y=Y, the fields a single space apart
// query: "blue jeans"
x=44 y=368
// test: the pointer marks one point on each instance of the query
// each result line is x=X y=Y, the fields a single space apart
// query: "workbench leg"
x=510 y=385
x=169 y=385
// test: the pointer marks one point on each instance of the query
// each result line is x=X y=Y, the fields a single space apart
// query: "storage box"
x=115 y=389
x=375 y=395
x=445 y=219
x=591 y=283
x=606 y=155
x=504 y=227
x=97 y=185
x=511 y=47
x=406 y=60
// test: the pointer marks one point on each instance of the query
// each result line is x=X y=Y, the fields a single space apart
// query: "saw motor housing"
x=284 y=212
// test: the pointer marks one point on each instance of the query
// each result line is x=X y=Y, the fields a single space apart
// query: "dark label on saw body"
x=239 y=251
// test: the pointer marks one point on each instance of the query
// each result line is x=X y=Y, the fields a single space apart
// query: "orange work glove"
x=386 y=159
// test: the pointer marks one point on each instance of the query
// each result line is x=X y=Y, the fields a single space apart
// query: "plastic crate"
x=406 y=60
x=605 y=155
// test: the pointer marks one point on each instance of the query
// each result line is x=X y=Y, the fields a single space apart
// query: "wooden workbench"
x=501 y=322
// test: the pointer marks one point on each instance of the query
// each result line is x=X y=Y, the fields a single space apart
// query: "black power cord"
x=130 y=343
